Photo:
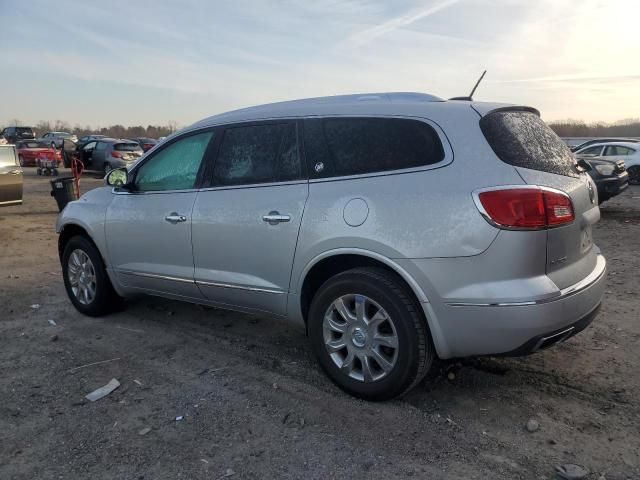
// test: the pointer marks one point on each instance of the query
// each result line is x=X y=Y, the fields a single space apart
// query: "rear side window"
x=352 y=146
x=127 y=147
x=258 y=154
x=522 y=139
x=615 y=150
x=101 y=146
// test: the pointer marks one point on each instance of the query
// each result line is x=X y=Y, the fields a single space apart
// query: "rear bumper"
x=464 y=330
x=612 y=186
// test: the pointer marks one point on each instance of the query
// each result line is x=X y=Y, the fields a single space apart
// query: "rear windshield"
x=35 y=145
x=127 y=147
x=24 y=130
x=522 y=139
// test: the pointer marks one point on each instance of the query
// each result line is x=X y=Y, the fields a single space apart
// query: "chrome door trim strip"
x=156 y=276
x=239 y=287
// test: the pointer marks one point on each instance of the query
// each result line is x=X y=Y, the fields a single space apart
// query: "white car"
x=627 y=151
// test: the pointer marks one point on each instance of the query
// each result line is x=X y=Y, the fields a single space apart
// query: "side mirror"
x=117 y=177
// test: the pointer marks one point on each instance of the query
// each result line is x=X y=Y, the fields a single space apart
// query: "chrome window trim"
x=255 y=185
x=476 y=199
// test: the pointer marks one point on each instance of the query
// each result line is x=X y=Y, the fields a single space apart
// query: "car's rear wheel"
x=634 y=175
x=368 y=334
x=86 y=280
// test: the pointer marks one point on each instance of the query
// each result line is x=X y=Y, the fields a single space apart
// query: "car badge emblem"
x=319 y=167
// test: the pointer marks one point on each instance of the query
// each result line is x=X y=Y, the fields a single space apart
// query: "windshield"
x=127 y=147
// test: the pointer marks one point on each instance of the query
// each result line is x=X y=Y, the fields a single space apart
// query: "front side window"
x=89 y=146
x=591 y=151
x=258 y=154
x=175 y=167
x=351 y=146
x=101 y=146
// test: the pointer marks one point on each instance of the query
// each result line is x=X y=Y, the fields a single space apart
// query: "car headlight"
x=605 y=170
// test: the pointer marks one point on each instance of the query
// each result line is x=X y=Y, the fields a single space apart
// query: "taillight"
x=147 y=146
x=115 y=154
x=528 y=208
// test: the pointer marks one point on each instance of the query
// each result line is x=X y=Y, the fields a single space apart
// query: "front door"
x=148 y=225
x=10 y=177
x=245 y=227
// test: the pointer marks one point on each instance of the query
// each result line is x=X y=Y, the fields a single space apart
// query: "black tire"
x=415 y=350
x=634 y=175
x=105 y=300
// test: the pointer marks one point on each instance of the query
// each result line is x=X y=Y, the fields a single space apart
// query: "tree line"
x=115 y=131
x=578 y=128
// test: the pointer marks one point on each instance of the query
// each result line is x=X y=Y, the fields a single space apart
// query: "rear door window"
x=522 y=139
x=352 y=146
x=260 y=153
x=7 y=157
x=617 y=150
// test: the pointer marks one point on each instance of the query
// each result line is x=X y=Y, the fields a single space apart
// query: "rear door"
x=245 y=226
x=520 y=138
x=10 y=177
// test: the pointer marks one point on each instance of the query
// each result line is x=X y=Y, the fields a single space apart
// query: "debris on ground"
x=36 y=306
x=137 y=382
x=92 y=364
x=569 y=471
x=144 y=431
x=103 y=391
x=451 y=376
x=179 y=418
x=52 y=323
x=54 y=338
x=533 y=425
x=228 y=473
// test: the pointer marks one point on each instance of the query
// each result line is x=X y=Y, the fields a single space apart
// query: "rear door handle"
x=175 y=218
x=274 y=218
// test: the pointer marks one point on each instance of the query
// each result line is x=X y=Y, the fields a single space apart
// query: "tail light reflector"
x=115 y=154
x=529 y=208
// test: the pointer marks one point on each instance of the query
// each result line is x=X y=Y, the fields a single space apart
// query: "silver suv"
x=395 y=227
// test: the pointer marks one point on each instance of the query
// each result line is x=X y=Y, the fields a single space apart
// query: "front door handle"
x=175 y=218
x=274 y=218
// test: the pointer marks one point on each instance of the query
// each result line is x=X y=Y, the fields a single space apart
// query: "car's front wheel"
x=86 y=280
x=634 y=175
x=368 y=334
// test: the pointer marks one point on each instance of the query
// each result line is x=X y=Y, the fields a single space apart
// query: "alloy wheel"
x=360 y=338
x=82 y=276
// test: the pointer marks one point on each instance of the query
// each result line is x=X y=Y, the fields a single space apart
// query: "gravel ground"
x=255 y=405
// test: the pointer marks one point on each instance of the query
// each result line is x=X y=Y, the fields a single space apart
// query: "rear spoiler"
x=484 y=109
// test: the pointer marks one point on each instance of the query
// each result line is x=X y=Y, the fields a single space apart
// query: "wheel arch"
x=324 y=266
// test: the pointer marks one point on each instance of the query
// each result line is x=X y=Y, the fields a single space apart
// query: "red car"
x=30 y=151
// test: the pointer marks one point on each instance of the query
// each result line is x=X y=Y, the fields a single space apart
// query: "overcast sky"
x=139 y=62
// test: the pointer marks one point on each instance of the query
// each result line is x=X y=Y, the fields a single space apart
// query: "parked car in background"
x=13 y=134
x=594 y=141
x=88 y=138
x=402 y=253
x=610 y=176
x=10 y=177
x=627 y=151
x=29 y=151
x=55 y=138
x=146 y=143
x=110 y=153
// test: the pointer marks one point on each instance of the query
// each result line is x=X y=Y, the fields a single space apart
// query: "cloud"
x=366 y=36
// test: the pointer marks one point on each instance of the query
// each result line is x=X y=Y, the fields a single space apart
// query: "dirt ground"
x=255 y=405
